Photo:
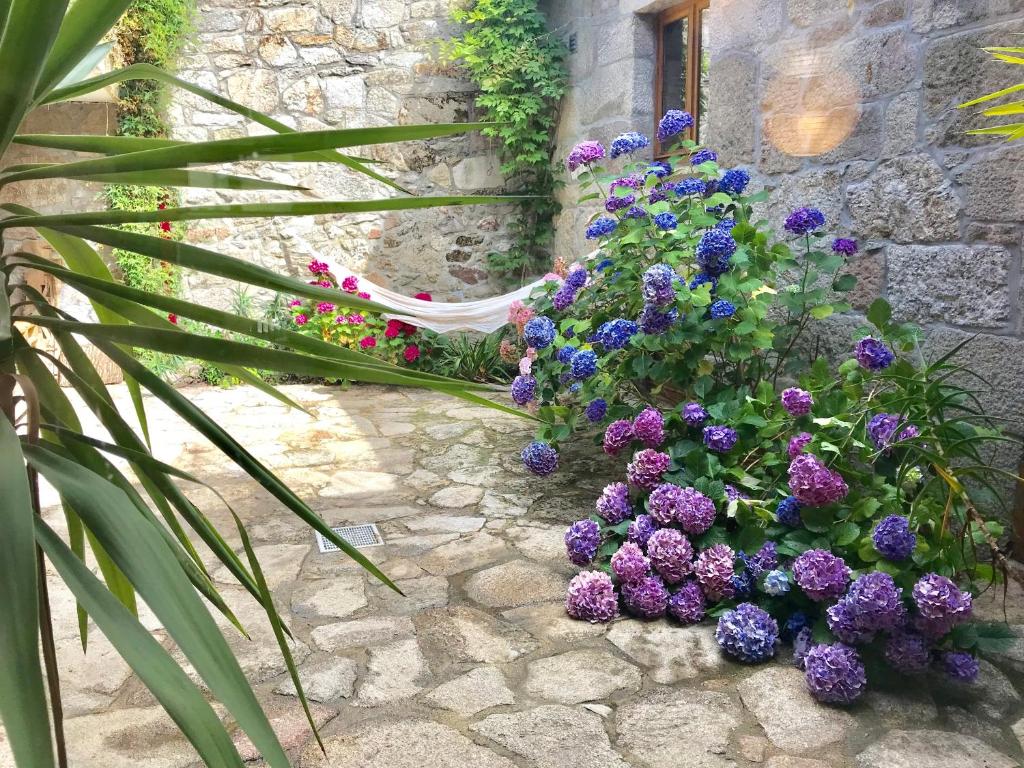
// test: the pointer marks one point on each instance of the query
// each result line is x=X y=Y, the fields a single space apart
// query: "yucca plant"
x=1011 y=131
x=142 y=545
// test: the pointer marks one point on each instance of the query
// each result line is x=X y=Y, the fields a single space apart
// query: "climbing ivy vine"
x=519 y=66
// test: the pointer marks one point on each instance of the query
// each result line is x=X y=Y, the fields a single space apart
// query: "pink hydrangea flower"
x=350 y=284
x=368 y=342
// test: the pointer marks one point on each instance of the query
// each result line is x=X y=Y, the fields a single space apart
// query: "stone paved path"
x=478 y=667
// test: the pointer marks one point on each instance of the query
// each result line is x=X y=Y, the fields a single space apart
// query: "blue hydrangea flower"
x=596 y=410
x=803 y=221
x=654 y=322
x=658 y=168
x=714 y=251
x=776 y=583
x=565 y=353
x=747 y=633
x=666 y=220
x=603 y=264
x=674 y=122
x=722 y=308
x=788 y=512
x=690 y=186
x=734 y=181
x=658 y=282
x=583 y=364
x=539 y=332
x=700 y=278
x=796 y=621
x=540 y=458
x=703 y=156
x=726 y=225
x=615 y=334
x=523 y=389
x=600 y=227
x=627 y=143
x=873 y=354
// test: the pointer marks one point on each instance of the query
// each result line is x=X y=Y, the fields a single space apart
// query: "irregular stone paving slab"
x=550 y=622
x=361 y=632
x=457 y=496
x=908 y=709
x=358 y=485
x=89 y=678
x=540 y=542
x=577 y=676
x=447 y=523
x=291 y=727
x=472 y=551
x=330 y=598
x=466 y=634
x=671 y=653
x=417 y=594
x=280 y=564
x=553 y=736
x=1018 y=731
x=404 y=744
x=678 y=728
x=791 y=719
x=991 y=693
x=513 y=584
x=473 y=692
x=395 y=672
x=788 y=761
x=932 y=749
x=366 y=514
x=324 y=680
x=147 y=738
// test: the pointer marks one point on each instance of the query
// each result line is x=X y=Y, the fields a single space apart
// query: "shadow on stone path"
x=478 y=666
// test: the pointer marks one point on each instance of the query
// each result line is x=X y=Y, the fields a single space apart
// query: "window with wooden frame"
x=681 y=71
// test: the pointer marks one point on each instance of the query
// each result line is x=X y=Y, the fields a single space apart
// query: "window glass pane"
x=703 y=80
x=673 y=64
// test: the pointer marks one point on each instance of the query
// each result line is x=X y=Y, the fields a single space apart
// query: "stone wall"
x=938 y=213
x=322 y=64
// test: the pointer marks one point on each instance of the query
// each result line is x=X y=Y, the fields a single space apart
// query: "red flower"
x=393 y=329
x=412 y=352
x=165 y=226
x=161 y=206
x=172 y=317
x=408 y=330
x=367 y=342
x=423 y=296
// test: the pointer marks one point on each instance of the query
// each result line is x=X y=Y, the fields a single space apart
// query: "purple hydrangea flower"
x=577 y=278
x=834 y=673
x=523 y=389
x=695 y=512
x=629 y=564
x=908 y=652
x=694 y=414
x=583 y=364
x=714 y=250
x=582 y=539
x=596 y=410
x=798 y=443
x=893 y=538
x=747 y=633
x=908 y=433
x=600 y=227
x=674 y=122
x=734 y=181
x=665 y=502
x=539 y=332
x=719 y=438
x=961 y=666
x=873 y=354
x=640 y=530
x=617 y=436
x=646 y=468
x=788 y=512
x=690 y=186
x=820 y=574
x=633 y=181
x=882 y=427
x=628 y=143
x=703 y=156
x=649 y=427
x=618 y=202
x=646 y=597
x=654 y=322
x=803 y=221
x=876 y=603
x=776 y=583
x=671 y=554
x=615 y=334
x=563 y=298
x=802 y=642
x=941 y=605
x=841 y=621
x=796 y=401
x=613 y=504
x=844 y=246
x=540 y=458
x=584 y=153
x=814 y=484
x=714 y=571
x=687 y=604
x=658 y=285
x=591 y=597
x=665 y=220
x=636 y=212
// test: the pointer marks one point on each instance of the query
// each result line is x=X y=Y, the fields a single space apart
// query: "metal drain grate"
x=365 y=535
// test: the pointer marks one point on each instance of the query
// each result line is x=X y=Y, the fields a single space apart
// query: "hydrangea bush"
x=833 y=509
x=392 y=340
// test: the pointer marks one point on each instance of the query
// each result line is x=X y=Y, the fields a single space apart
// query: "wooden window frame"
x=690 y=10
